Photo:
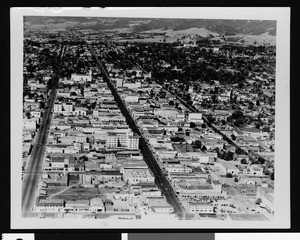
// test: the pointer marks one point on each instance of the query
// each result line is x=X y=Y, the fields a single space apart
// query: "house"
x=227 y=167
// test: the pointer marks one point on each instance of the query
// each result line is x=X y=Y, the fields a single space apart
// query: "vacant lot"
x=54 y=189
x=82 y=193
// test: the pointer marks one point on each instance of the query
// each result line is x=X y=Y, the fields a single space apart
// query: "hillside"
x=223 y=27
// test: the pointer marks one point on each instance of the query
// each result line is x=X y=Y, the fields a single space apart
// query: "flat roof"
x=248 y=217
x=137 y=172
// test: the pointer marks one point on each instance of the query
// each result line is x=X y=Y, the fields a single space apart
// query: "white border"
x=282 y=118
x=257 y=236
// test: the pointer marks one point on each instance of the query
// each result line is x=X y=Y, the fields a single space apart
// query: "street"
x=160 y=178
x=33 y=170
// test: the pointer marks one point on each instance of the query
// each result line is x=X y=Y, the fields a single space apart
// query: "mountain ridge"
x=219 y=26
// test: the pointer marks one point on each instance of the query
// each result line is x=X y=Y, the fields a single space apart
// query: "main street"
x=33 y=170
x=151 y=161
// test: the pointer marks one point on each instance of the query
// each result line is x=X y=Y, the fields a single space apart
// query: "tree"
x=83 y=159
x=228 y=156
x=192 y=125
x=171 y=103
x=239 y=151
x=180 y=129
x=197 y=144
x=244 y=161
x=237 y=115
x=204 y=148
x=236 y=179
x=261 y=160
x=233 y=137
x=229 y=175
x=203 y=125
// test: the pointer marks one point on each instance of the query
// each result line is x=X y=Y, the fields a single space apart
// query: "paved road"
x=34 y=167
x=160 y=178
x=210 y=125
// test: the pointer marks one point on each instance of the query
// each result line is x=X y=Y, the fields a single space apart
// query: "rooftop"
x=137 y=173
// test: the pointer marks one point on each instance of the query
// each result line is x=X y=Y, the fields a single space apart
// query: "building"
x=195 y=117
x=119 y=82
x=198 y=206
x=29 y=124
x=77 y=206
x=68 y=107
x=228 y=167
x=57 y=108
x=177 y=168
x=81 y=77
x=133 y=142
x=49 y=205
x=138 y=175
x=193 y=188
x=112 y=140
x=132 y=98
x=80 y=111
x=130 y=85
x=96 y=205
x=169 y=112
x=35 y=113
x=265 y=197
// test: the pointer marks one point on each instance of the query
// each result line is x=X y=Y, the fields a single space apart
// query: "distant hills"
x=209 y=26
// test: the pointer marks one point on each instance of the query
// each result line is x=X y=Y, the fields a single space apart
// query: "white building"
x=112 y=140
x=80 y=111
x=119 y=82
x=57 y=107
x=96 y=205
x=35 y=113
x=49 y=205
x=81 y=77
x=195 y=117
x=132 y=85
x=138 y=175
x=133 y=142
x=29 y=124
x=68 y=107
x=198 y=206
x=132 y=98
